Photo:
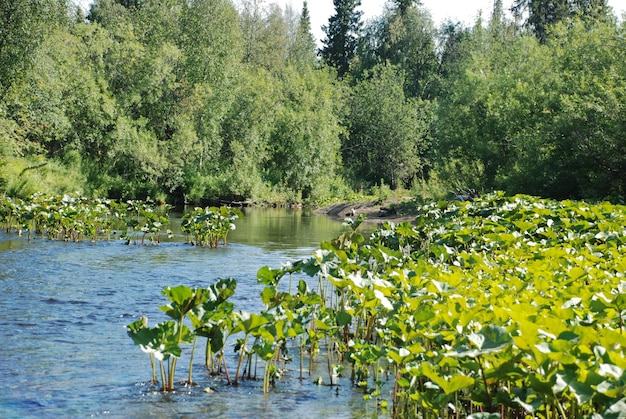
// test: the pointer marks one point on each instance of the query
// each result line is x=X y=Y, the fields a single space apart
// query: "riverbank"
x=392 y=209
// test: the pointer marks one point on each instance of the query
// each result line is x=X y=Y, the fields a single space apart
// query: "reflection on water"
x=64 y=308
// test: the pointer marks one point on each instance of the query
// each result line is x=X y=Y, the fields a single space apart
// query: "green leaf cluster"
x=509 y=306
x=207 y=310
x=74 y=218
x=503 y=304
x=208 y=226
x=67 y=217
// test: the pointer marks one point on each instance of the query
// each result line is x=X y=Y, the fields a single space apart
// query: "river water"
x=64 y=308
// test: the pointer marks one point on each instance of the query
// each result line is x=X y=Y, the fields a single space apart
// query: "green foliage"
x=211 y=40
x=303 y=50
x=67 y=217
x=542 y=15
x=497 y=303
x=388 y=138
x=203 y=307
x=209 y=226
x=75 y=218
x=305 y=137
x=507 y=306
x=265 y=35
x=23 y=26
x=403 y=37
x=342 y=35
x=21 y=178
x=199 y=101
x=539 y=119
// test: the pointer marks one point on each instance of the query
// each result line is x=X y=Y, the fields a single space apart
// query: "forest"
x=189 y=101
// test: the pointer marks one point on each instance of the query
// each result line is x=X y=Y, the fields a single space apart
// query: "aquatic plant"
x=208 y=312
x=182 y=301
x=212 y=319
x=503 y=305
x=208 y=226
x=497 y=307
x=75 y=218
x=67 y=217
x=140 y=216
x=246 y=323
x=161 y=342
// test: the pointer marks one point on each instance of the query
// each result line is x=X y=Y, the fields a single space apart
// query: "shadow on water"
x=65 y=306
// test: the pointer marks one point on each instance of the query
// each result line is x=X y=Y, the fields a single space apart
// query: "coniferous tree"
x=404 y=5
x=403 y=37
x=303 y=49
x=541 y=14
x=130 y=3
x=342 y=35
x=453 y=47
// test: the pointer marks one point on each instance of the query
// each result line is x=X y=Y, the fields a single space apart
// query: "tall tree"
x=404 y=5
x=211 y=39
x=404 y=36
x=305 y=142
x=23 y=26
x=541 y=14
x=302 y=51
x=388 y=132
x=452 y=37
x=342 y=35
x=535 y=118
x=265 y=34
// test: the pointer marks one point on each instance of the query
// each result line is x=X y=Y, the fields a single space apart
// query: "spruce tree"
x=303 y=49
x=404 y=5
x=544 y=13
x=342 y=35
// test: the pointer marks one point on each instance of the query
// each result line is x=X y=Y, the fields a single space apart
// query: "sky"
x=464 y=11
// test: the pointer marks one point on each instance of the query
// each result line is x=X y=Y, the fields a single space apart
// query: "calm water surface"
x=64 y=308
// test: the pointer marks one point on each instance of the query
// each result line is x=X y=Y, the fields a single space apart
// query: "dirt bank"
x=375 y=211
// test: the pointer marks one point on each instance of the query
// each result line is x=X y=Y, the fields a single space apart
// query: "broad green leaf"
x=248 y=322
x=343 y=318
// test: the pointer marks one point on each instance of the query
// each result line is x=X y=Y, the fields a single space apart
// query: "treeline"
x=196 y=100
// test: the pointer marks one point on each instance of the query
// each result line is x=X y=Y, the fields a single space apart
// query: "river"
x=64 y=308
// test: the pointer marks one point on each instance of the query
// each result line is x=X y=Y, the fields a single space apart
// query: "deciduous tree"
x=388 y=138
x=23 y=26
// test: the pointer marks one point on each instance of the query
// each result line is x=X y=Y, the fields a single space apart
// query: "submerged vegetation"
x=500 y=307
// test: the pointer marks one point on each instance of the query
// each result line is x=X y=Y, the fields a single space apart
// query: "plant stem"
x=241 y=355
x=163 y=385
x=559 y=407
x=395 y=386
x=207 y=355
x=226 y=369
x=328 y=361
x=482 y=373
x=193 y=350
x=154 y=377
x=265 y=376
x=301 y=356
